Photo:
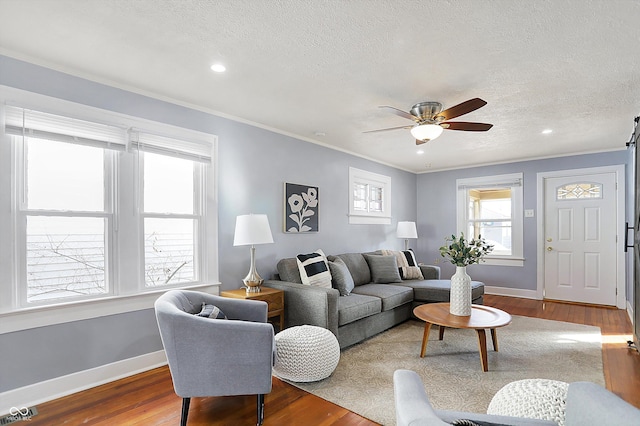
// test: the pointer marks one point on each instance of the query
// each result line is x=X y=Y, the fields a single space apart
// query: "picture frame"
x=301 y=207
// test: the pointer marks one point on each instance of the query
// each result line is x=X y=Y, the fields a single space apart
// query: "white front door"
x=580 y=238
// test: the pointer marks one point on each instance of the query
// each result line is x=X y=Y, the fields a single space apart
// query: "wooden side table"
x=273 y=297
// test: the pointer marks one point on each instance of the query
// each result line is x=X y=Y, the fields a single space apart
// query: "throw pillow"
x=314 y=269
x=384 y=269
x=358 y=267
x=341 y=277
x=211 y=311
x=467 y=422
x=407 y=264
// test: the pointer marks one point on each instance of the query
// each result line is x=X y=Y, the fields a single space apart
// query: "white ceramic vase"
x=460 y=294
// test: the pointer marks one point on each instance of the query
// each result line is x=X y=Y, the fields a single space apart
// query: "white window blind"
x=494 y=183
x=24 y=122
x=200 y=151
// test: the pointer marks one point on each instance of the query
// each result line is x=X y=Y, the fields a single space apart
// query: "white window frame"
x=23 y=212
x=363 y=177
x=198 y=215
x=126 y=293
x=512 y=181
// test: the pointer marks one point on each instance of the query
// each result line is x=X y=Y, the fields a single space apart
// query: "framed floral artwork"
x=300 y=208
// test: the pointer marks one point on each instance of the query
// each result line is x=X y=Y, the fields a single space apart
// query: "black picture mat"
x=301 y=206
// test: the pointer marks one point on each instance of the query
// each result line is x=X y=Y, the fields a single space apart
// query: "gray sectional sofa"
x=369 y=309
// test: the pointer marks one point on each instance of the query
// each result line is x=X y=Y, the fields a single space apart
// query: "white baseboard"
x=513 y=292
x=630 y=312
x=48 y=390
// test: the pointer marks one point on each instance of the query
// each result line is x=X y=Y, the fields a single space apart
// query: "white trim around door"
x=620 y=225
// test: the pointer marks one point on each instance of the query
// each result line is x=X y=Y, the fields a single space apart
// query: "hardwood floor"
x=148 y=398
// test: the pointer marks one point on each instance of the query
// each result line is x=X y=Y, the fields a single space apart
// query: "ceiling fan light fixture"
x=426 y=132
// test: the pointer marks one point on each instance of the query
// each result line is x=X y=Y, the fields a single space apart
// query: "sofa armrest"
x=589 y=403
x=308 y=305
x=430 y=272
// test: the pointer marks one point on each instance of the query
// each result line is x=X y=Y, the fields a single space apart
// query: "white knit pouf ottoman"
x=531 y=398
x=306 y=353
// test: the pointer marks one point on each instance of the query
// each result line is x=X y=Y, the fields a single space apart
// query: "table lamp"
x=252 y=229
x=407 y=230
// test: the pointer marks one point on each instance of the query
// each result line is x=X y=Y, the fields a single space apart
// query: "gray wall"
x=437 y=218
x=253 y=166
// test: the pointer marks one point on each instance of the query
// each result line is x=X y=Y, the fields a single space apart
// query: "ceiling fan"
x=430 y=120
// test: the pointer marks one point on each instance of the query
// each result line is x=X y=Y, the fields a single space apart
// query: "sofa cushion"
x=288 y=270
x=357 y=306
x=358 y=267
x=391 y=295
x=341 y=277
x=314 y=269
x=438 y=290
x=384 y=269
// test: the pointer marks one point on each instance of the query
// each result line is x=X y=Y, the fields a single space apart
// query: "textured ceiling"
x=305 y=67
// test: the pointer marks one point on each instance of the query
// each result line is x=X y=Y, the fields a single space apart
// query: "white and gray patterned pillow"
x=407 y=264
x=211 y=311
x=314 y=269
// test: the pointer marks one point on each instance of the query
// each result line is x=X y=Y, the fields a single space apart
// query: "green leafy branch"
x=461 y=252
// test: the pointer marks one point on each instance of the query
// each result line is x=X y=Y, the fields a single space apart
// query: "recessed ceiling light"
x=218 y=68
x=420 y=152
x=547 y=131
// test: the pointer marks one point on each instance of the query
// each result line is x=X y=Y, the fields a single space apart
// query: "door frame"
x=619 y=170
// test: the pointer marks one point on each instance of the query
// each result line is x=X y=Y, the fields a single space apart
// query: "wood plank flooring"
x=148 y=398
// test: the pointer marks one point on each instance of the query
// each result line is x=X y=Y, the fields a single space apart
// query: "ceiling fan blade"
x=419 y=142
x=389 y=128
x=461 y=109
x=466 y=126
x=399 y=112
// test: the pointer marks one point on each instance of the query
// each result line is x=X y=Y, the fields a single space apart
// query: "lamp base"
x=253 y=281
x=252 y=286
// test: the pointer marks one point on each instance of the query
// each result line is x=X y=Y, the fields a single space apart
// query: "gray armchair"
x=216 y=357
x=586 y=404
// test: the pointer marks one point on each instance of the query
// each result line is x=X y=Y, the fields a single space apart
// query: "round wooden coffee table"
x=481 y=318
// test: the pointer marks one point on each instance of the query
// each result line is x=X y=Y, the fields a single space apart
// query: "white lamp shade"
x=252 y=229
x=426 y=132
x=407 y=230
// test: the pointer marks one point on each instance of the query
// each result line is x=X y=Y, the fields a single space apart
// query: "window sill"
x=27 y=318
x=369 y=220
x=504 y=261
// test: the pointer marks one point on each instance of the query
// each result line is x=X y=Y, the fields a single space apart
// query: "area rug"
x=529 y=348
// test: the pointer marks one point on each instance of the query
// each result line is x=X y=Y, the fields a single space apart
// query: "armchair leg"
x=260 y=409
x=185 y=411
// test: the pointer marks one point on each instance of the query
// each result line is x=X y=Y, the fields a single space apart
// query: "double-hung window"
x=91 y=210
x=491 y=207
x=172 y=207
x=64 y=209
x=369 y=197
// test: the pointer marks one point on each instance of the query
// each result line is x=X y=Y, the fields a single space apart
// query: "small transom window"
x=574 y=191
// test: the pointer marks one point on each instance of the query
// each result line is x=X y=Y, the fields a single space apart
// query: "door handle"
x=626 y=236
x=549 y=248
